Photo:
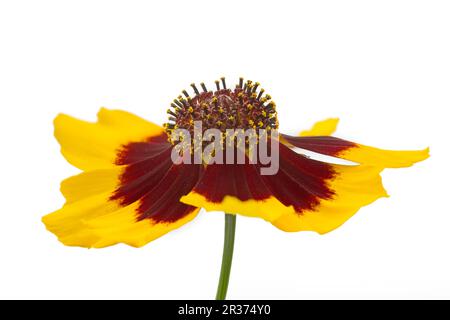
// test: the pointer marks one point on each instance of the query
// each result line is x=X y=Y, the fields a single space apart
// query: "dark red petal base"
x=327 y=145
x=300 y=181
x=151 y=178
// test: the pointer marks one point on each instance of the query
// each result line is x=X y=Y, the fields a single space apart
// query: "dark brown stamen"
x=249 y=86
x=223 y=82
x=171 y=112
x=195 y=89
x=178 y=103
x=255 y=86
x=183 y=101
x=261 y=92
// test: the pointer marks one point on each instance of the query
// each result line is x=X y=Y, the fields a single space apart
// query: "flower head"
x=131 y=191
x=245 y=107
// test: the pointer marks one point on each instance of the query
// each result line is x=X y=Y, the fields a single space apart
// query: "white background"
x=383 y=67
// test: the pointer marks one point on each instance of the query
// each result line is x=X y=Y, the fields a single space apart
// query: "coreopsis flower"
x=132 y=192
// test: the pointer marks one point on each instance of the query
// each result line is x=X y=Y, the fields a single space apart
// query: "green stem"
x=227 y=257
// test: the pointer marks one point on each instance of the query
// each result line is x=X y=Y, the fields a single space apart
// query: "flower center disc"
x=245 y=107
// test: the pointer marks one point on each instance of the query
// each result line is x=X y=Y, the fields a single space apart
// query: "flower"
x=130 y=190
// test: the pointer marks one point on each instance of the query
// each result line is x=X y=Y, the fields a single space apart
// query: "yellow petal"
x=91 y=146
x=90 y=183
x=96 y=222
x=358 y=153
x=268 y=209
x=383 y=158
x=322 y=128
x=354 y=187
